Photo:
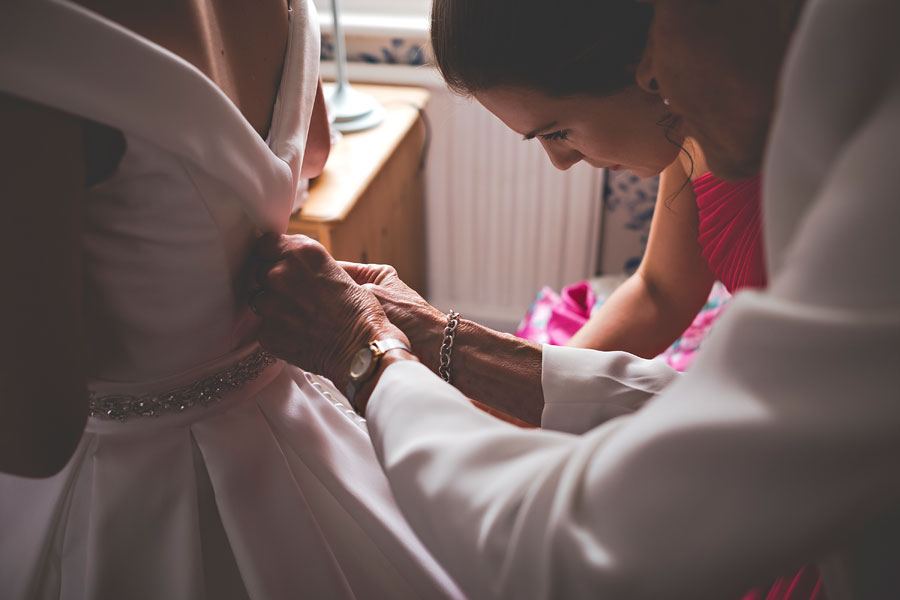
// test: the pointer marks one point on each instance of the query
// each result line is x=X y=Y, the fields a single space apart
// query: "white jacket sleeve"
x=742 y=468
x=584 y=388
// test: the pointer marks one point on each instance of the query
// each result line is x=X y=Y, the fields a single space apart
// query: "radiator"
x=501 y=221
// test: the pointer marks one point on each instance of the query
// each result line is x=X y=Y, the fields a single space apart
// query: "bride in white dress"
x=207 y=469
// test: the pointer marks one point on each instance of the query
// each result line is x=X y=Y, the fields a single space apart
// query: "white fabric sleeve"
x=781 y=439
x=584 y=388
x=749 y=462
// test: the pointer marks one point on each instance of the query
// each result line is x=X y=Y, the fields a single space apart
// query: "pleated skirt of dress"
x=274 y=492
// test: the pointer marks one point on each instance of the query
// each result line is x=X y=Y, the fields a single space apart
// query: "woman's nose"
x=562 y=156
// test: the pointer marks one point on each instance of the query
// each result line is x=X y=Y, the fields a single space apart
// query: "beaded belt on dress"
x=206 y=391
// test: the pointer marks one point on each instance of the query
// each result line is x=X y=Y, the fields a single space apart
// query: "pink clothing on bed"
x=554 y=318
x=729 y=230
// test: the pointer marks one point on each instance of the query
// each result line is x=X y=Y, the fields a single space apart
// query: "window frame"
x=381 y=18
x=382 y=8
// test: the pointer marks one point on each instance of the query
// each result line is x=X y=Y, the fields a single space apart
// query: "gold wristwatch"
x=365 y=362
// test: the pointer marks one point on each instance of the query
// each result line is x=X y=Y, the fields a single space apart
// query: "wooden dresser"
x=368 y=204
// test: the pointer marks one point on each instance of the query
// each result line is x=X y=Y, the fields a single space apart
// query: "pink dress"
x=730 y=232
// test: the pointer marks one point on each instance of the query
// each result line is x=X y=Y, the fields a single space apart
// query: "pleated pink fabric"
x=730 y=231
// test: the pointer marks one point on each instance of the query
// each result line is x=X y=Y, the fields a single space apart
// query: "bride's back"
x=170 y=229
x=212 y=137
x=238 y=44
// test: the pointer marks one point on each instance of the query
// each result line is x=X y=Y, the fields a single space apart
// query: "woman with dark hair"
x=566 y=77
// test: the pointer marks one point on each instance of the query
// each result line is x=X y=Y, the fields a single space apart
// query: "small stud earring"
x=667 y=102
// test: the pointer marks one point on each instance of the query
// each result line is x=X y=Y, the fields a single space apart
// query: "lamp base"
x=351 y=110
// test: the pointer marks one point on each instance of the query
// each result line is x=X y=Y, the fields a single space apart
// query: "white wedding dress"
x=265 y=484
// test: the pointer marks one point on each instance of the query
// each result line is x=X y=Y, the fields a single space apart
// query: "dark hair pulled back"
x=560 y=48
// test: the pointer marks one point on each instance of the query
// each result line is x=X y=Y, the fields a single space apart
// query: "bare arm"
x=43 y=397
x=656 y=304
x=496 y=369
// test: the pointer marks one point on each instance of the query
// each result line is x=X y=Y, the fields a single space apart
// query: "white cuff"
x=584 y=388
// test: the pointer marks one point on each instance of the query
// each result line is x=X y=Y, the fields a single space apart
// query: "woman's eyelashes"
x=555 y=136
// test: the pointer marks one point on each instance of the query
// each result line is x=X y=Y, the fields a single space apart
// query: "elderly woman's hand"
x=313 y=314
x=422 y=323
x=500 y=372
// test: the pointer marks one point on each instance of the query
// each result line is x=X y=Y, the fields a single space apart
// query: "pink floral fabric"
x=681 y=353
x=554 y=318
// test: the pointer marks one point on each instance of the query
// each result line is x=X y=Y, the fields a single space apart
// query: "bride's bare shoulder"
x=239 y=45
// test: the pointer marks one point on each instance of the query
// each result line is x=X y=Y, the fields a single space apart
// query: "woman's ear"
x=318 y=141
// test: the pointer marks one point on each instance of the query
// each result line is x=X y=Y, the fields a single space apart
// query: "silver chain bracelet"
x=447 y=344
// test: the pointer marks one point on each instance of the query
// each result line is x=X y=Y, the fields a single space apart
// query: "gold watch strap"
x=379 y=348
x=385 y=345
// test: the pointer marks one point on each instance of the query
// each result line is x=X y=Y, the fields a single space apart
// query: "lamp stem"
x=350 y=110
x=340 y=48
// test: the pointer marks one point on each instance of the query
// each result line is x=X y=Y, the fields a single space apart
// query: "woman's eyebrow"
x=532 y=134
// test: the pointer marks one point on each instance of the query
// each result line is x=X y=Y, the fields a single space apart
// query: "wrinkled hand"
x=313 y=314
x=422 y=323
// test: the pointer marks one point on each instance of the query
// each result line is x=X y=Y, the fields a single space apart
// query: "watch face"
x=361 y=362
